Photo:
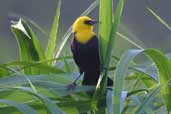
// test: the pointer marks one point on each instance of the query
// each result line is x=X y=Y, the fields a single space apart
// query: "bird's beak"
x=91 y=22
x=94 y=22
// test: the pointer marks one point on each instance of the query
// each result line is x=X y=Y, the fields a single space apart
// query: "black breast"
x=86 y=55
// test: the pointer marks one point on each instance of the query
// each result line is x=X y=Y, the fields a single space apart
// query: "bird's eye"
x=89 y=22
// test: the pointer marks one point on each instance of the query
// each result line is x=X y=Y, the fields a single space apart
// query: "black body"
x=87 y=58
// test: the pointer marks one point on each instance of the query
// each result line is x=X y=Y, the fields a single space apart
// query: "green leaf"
x=163 y=65
x=30 y=21
x=21 y=107
x=109 y=98
x=147 y=100
x=20 y=74
x=38 y=65
x=149 y=71
x=163 y=68
x=106 y=41
x=102 y=82
x=82 y=105
x=53 y=34
x=20 y=79
x=105 y=25
x=29 y=47
x=113 y=32
x=159 y=18
x=3 y=71
x=120 y=73
x=57 y=84
x=67 y=65
x=51 y=106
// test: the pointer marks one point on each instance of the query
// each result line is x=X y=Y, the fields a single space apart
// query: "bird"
x=85 y=51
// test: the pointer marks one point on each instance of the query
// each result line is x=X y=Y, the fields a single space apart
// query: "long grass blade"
x=101 y=86
x=51 y=106
x=159 y=18
x=21 y=107
x=147 y=100
x=113 y=32
x=105 y=19
x=45 y=69
x=28 y=80
x=53 y=34
x=106 y=49
x=163 y=68
x=120 y=73
x=129 y=40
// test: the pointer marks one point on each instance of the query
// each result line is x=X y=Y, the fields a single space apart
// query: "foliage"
x=34 y=85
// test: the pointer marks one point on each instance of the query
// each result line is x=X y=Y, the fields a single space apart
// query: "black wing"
x=86 y=56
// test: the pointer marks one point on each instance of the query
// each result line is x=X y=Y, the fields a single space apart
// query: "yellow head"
x=83 y=29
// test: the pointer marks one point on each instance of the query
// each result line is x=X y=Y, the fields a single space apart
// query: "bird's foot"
x=71 y=86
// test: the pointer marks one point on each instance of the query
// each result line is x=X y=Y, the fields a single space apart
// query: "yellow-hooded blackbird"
x=85 y=50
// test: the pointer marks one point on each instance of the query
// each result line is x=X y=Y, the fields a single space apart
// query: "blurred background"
x=137 y=23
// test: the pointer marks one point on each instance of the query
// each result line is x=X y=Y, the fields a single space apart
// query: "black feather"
x=87 y=58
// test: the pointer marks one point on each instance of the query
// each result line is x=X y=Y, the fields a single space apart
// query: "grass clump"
x=41 y=83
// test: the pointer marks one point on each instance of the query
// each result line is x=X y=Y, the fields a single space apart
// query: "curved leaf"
x=163 y=67
x=21 y=107
x=51 y=106
x=29 y=47
x=38 y=65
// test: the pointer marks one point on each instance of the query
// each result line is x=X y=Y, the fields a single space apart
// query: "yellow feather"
x=83 y=32
x=84 y=36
